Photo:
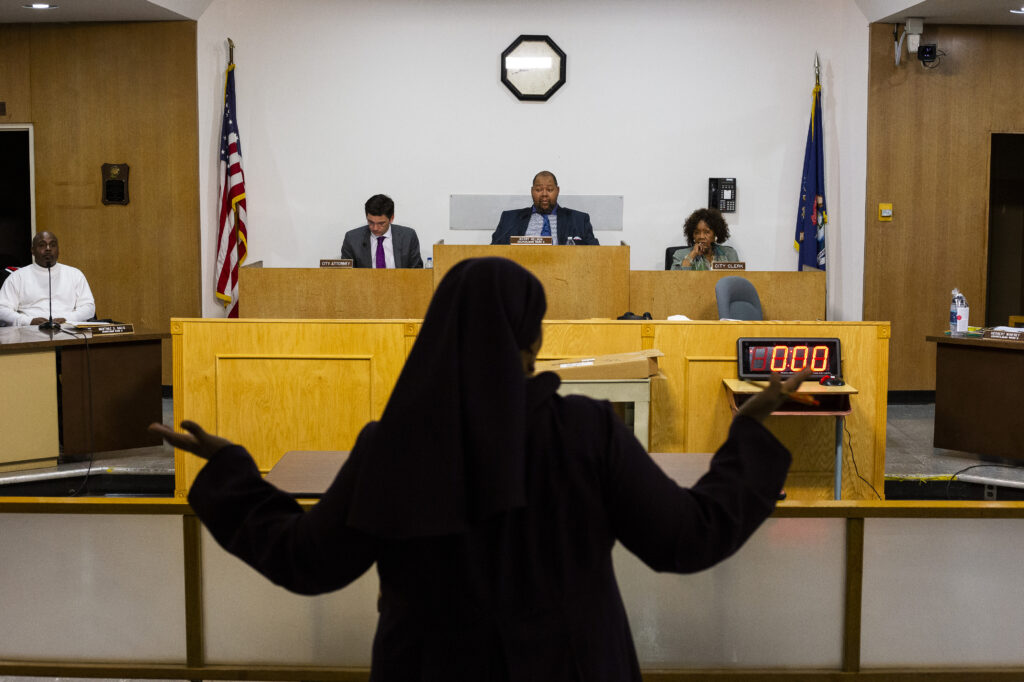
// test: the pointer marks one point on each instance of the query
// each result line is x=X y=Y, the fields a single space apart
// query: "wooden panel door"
x=929 y=134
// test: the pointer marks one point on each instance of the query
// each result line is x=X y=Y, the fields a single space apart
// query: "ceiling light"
x=1017 y=11
x=41 y=5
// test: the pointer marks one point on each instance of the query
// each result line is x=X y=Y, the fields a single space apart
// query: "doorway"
x=17 y=195
x=1005 y=230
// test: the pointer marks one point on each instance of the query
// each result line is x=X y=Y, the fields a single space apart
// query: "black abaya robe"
x=528 y=593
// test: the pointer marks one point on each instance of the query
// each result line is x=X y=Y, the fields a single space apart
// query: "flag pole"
x=231 y=52
x=817 y=68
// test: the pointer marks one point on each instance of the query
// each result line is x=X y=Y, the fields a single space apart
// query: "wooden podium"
x=833 y=401
x=581 y=282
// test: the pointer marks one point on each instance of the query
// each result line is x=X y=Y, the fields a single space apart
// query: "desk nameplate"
x=530 y=241
x=114 y=329
x=1005 y=335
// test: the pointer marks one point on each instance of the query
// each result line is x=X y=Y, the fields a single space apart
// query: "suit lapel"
x=397 y=245
x=367 y=246
x=523 y=221
x=563 y=225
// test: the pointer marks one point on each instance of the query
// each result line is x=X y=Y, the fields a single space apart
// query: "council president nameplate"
x=529 y=240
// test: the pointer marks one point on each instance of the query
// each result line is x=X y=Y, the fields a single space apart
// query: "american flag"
x=232 y=244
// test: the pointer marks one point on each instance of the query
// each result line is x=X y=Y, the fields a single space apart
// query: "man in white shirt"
x=25 y=295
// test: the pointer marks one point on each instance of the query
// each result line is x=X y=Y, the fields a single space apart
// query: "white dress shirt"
x=26 y=295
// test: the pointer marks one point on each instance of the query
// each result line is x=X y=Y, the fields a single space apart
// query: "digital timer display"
x=759 y=358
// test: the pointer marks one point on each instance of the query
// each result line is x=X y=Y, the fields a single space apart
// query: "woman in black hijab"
x=490 y=504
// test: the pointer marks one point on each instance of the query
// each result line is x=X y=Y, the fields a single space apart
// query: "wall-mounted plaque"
x=115 y=183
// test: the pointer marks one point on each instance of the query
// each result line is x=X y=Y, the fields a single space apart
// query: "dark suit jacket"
x=406 y=245
x=570 y=224
x=526 y=595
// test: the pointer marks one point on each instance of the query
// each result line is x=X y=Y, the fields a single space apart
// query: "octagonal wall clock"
x=533 y=68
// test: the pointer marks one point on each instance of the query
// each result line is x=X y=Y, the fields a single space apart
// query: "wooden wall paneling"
x=121 y=93
x=332 y=293
x=1007 y=74
x=276 y=386
x=928 y=154
x=15 y=90
x=784 y=295
x=580 y=282
x=252 y=386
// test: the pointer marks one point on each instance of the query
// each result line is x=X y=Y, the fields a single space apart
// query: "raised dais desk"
x=125 y=395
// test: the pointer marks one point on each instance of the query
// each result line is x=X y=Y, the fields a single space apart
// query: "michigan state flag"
x=812 y=216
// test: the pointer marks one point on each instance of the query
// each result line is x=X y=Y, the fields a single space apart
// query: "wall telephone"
x=722 y=194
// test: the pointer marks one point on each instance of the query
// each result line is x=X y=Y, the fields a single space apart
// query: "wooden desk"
x=334 y=293
x=125 y=395
x=784 y=295
x=307 y=473
x=978 y=394
x=834 y=402
x=581 y=282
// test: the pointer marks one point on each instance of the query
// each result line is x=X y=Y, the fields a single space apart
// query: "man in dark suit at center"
x=545 y=218
x=380 y=243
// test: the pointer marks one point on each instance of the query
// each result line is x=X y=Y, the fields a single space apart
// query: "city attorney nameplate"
x=336 y=262
x=729 y=265
x=529 y=240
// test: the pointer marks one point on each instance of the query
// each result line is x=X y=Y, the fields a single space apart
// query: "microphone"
x=49 y=325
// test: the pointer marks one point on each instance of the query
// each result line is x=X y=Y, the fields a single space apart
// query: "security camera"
x=927 y=53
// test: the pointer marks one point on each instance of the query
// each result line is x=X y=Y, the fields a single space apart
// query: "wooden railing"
x=824 y=591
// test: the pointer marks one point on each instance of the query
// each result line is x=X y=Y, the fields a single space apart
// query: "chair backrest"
x=669 y=252
x=737 y=299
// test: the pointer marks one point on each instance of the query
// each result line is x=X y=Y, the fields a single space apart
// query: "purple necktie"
x=380 y=252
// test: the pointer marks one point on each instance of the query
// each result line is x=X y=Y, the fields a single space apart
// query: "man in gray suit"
x=380 y=243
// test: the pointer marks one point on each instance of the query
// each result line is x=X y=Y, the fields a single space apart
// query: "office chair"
x=669 y=252
x=737 y=299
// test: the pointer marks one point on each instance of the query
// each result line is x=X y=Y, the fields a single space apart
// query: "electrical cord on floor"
x=91 y=431
x=849 y=439
x=976 y=466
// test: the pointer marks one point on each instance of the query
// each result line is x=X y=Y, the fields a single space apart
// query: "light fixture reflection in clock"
x=41 y=5
x=527 y=63
x=1017 y=11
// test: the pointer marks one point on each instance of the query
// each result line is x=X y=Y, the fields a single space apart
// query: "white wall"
x=339 y=100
